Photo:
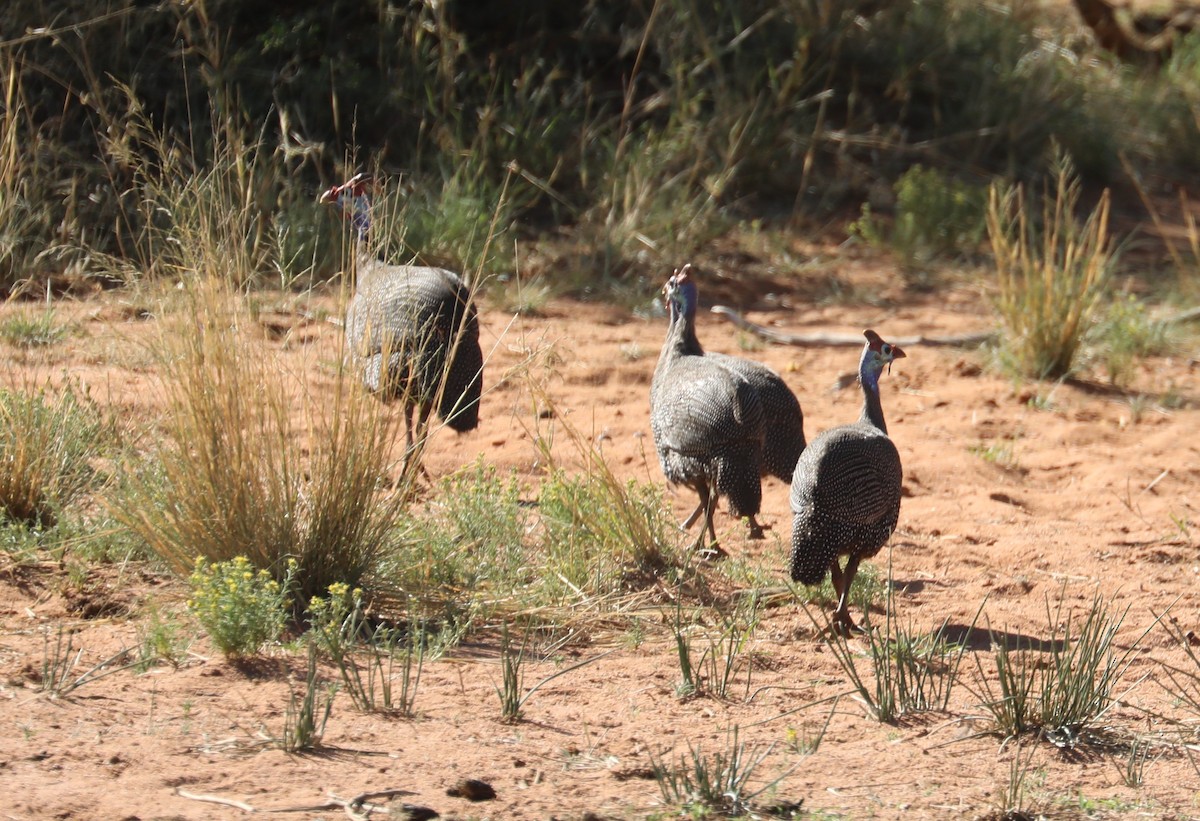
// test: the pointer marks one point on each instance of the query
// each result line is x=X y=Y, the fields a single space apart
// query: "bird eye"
x=887 y=349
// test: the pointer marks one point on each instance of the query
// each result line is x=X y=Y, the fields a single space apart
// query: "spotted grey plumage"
x=846 y=489
x=783 y=439
x=706 y=418
x=783 y=420
x=413 y=330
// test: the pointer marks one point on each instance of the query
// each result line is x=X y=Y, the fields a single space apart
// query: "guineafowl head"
x=351 y=197
x=680 y=293
x=876 y=355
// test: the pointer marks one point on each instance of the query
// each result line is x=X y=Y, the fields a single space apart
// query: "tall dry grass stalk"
x=1050 y=274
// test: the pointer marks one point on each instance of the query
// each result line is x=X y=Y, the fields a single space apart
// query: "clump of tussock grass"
x=720 y=782
x=249 y=462
x=48 y=441
x=231 y=475
x=1051 y=272
x=911 y=671
x=1064 y=686
x=33 y=329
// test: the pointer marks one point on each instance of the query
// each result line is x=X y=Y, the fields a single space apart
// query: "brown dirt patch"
x=1094 y=497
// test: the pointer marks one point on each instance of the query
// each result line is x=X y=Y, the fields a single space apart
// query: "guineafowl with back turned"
x=413 y=330
x=783 y=420
x=846 y=489
x=706 y=419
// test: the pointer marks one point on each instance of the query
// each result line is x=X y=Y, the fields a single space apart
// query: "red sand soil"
x=1099 y=498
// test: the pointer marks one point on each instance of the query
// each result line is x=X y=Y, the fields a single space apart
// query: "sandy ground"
x=1095 y=493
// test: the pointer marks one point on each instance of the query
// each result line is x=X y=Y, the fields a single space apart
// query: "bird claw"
x=845 y=627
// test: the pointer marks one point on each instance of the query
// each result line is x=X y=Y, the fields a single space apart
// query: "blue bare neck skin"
x=683 y=321
x=868 y=377
x=359 y=208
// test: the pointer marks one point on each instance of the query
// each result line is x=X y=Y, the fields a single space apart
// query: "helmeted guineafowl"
x=846 y=489
x=413 y=330
x=783 y=420
x=706 y=418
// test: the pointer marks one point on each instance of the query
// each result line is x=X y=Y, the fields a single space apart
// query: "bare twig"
x=353 y=806
x=825 y=340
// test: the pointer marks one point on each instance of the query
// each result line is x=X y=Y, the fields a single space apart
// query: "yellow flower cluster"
x=240 y=608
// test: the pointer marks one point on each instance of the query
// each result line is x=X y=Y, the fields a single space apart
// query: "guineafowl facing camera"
x=706 y=419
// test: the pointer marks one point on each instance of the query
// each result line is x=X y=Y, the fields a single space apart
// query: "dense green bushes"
x=644 y=125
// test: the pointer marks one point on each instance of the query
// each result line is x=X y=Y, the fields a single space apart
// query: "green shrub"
x=240 y=608
x=600 y=533
x=32 y=329
x=936 y=217
x=1126 y=334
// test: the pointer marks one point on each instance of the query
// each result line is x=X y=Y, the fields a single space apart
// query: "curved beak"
x=330 y=196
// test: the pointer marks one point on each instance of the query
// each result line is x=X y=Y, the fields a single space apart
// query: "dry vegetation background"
x=221 y=594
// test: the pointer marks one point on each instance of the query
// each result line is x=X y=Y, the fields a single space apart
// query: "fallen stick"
x=335 y=803
x=827 y=340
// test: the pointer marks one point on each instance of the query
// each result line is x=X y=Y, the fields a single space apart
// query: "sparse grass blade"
x=910 y=671
x=60 y=659
x=305 y=719
x=717 y=782
x=1069 y=686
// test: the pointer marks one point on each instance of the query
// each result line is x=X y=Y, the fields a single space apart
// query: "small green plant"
x=305 y=718
x=1131 y=767
x=339 y=626
x=1011 y=796
x=512 y=692
x=1000 y=453
x=804 y=741
x=512 y=676
x=936 y=217
x=32 y=329
x=240 y=608
x=719 y=783
x=159 y=640
x=713 y=672
x=1050 y=274
x=1125 y=334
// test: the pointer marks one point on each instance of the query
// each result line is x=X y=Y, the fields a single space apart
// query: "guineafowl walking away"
x=783 y=420
x=706 y=418
x=413 y=330
x=846 y=489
